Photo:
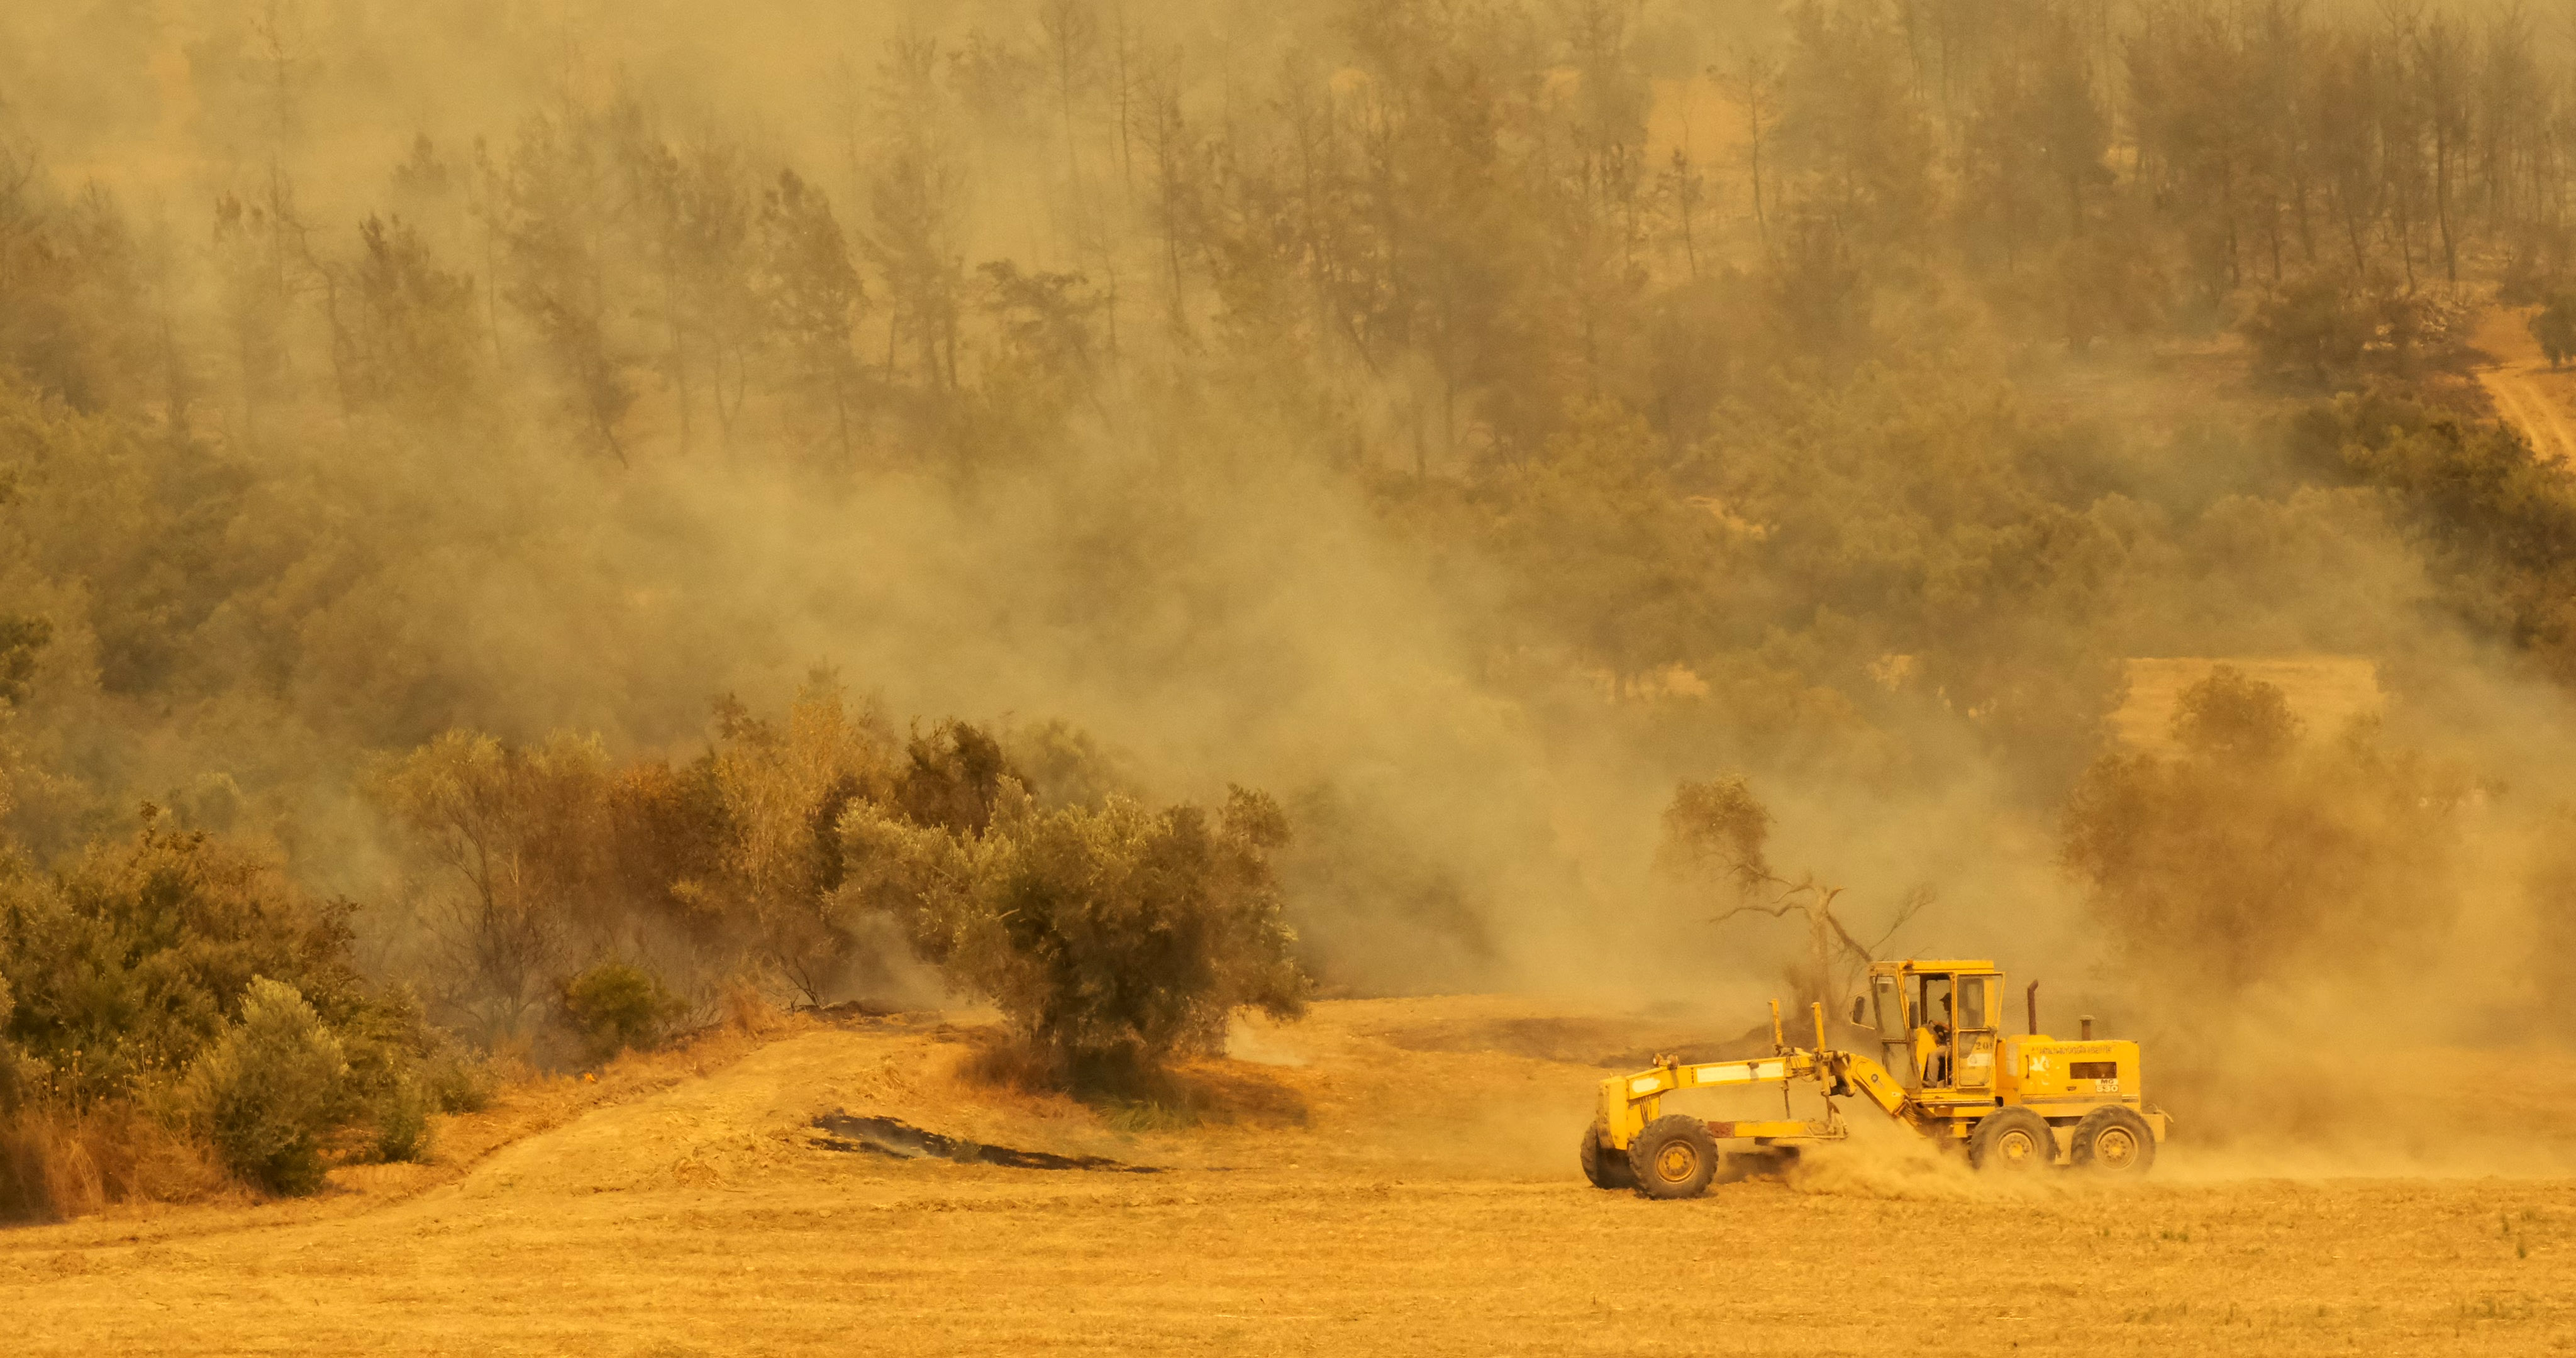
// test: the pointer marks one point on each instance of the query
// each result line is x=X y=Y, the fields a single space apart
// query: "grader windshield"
x=1971 y=1003
x=1936 y=1024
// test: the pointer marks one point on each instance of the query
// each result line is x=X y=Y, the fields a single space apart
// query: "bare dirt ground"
x=2537 y=398
x=1398 y=1178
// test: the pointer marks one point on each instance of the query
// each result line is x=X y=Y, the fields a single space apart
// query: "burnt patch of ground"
x=903 y=1141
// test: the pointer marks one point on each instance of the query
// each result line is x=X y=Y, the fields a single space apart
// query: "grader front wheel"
x=1673 y=1157
x=1604 y=1168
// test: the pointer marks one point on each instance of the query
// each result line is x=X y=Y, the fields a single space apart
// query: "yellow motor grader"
x=2011 y=1101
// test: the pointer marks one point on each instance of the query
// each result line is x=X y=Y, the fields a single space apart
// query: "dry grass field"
x=1396 y=1177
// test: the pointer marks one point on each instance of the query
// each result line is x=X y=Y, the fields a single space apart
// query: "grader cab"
x=1946 y=1068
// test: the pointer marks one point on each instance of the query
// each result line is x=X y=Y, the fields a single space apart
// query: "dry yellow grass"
x=1404 y=1186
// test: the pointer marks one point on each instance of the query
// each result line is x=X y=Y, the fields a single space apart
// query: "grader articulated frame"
x=2011 y=1101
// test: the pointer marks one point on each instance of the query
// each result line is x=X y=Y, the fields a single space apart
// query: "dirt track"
x=1409 y=1188
x=2526 y=390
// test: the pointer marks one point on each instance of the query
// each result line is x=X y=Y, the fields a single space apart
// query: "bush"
x=2554 y=328
x=454 y=1081
x=2311 y=325
x=180 y=985
x=1112 y=938
x=2251 y=858
x=401 y=1118
x=271 y=1091
x=127 y=965
x=615 y=1006
x=13 y=1073
x=523 y=832
x=2494 y=521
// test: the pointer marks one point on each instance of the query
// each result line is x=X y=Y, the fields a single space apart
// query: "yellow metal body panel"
x=2042 y=1070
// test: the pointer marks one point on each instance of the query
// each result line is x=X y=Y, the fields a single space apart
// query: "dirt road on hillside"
x=1403 y=1184
x=2535 y=397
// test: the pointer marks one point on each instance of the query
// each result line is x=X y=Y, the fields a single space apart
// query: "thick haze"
x=1419 y=411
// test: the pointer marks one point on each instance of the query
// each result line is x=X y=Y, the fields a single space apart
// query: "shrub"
x=270 y=1092
x=615 y=1006
x=454 y=1081
x=2251 y=858
x=129 y=963
x=1112 y=939
x=2311 y=325
x=2554 y=326
x=524 y=833
x=2494 y=521
x=400 y=1115
x=11 y=1076
x=783 y=788
x=952 y=776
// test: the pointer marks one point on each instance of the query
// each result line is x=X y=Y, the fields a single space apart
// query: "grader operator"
x=2011 y=1101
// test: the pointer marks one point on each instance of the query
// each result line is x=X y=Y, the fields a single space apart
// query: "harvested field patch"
x=1429 y=1205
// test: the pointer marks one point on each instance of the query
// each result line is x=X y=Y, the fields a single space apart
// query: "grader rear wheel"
x=1673 y=1157
x=1604 y=1168
x=2012 y=1139
x=2114 y=1140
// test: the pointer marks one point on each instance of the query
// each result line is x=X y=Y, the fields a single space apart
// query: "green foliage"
x=401 y=1127
x=21 y=640
x=617 y=1006
x=548 y=852
x=1111 y=938
x=128 y=963
x=411 y=343
x=2231 y=717
x=2248 y=858
x=270 y=1091
x=17 y=1073
x=522 y=833
x=777 y=859
x=951 y=778
x=452 y=1080
x=2496 y=523
x=2312 y=327
x=2554 y=326
x=185 y=970
x=1717 y=828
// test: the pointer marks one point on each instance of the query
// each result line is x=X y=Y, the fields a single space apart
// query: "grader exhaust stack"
x=2014 y=1102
